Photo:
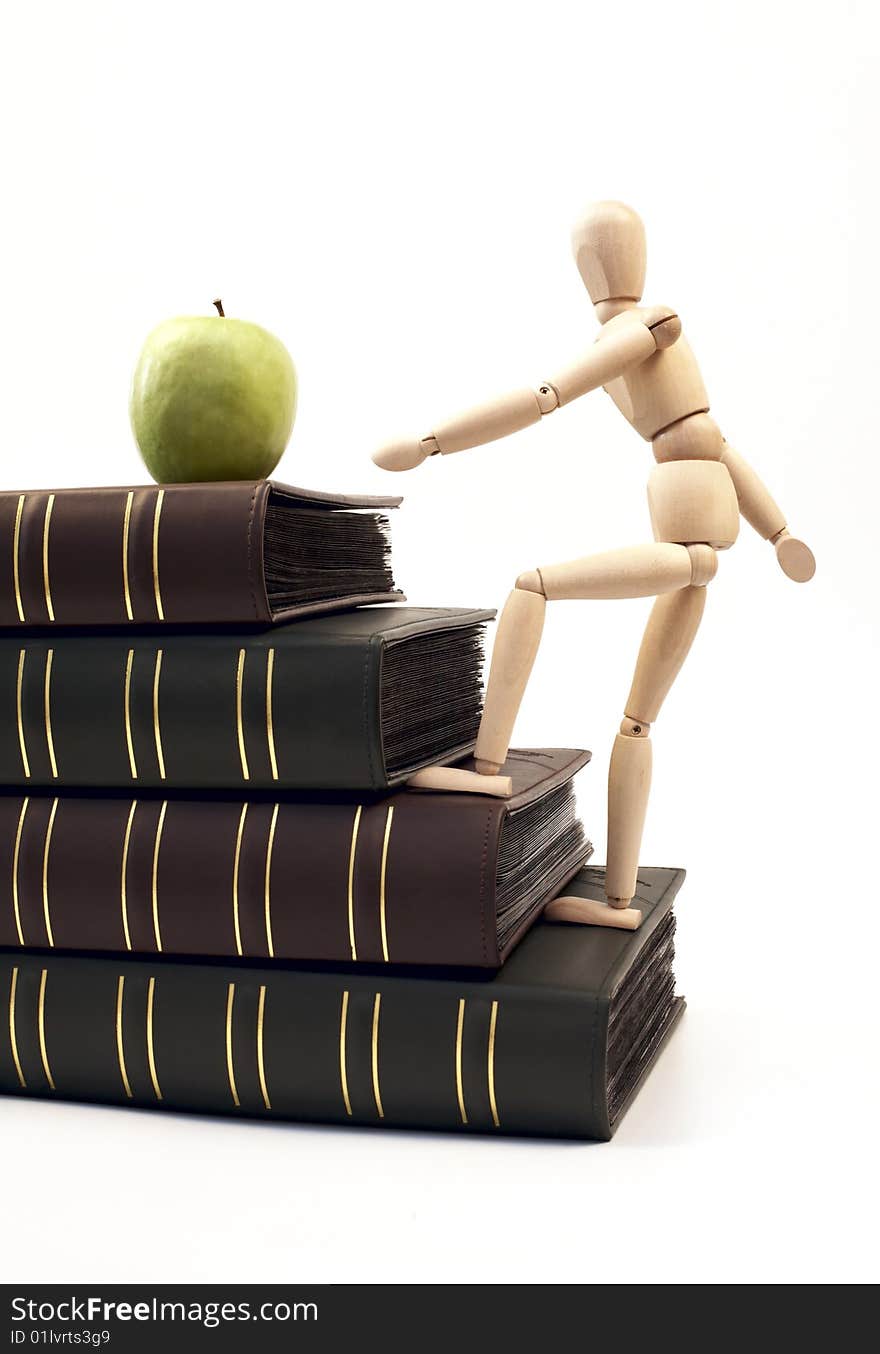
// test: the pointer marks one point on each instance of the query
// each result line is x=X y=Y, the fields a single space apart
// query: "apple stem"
x=219 y=304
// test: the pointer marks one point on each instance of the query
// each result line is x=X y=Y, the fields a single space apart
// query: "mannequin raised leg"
x=667 y=640
x=516 y=644
x=638 y=571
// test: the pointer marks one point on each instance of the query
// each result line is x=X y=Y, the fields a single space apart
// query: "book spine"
x=140 y=556
x=259 y=879
x=223 y=711
x=337 y=1047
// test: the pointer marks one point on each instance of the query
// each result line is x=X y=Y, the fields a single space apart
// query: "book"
x=414 y=877
x=238 y=553
x=556 y=1043
x=355 y=700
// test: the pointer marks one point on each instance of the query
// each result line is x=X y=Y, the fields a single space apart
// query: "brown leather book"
x=557 y=1042
x=414 y=877
x=238 y=553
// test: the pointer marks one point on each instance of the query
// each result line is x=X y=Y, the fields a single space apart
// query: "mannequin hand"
x=403 y=454
x=795 y=558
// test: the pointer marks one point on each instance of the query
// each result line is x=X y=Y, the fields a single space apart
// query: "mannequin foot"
x=459 y=781
x=592 y=912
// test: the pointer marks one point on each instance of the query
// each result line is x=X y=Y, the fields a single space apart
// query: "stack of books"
x=219 y=893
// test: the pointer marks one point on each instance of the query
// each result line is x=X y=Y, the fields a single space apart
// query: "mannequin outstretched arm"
x=608 y=358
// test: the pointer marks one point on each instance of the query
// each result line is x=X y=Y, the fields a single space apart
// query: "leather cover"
x=522 y=1053
x=286 y=707
x=409 y=878
x=149 y=555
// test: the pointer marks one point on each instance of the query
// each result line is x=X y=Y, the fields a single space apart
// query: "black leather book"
x=408 y=877
x=357 y=700
x=556 y=1043
x=238 y=553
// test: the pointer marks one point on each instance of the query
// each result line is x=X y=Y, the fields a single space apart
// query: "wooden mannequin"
x=696 y=492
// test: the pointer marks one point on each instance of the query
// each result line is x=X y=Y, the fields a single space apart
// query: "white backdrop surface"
x=389 y=187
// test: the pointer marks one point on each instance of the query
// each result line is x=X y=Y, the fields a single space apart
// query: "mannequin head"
x=608 y=243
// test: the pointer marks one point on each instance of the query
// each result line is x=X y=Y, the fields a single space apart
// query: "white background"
x=389 y=188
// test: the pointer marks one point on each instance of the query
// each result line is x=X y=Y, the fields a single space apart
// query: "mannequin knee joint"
x=634 y=728
x=531 y=582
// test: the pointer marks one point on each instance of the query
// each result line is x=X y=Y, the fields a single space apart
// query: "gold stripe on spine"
x=47 y=711
x=123 y=883
x=343 y=1074
x=155 y=880
x=46 y=846
x=131 y=759
x=157 y=591
x=235 y=916
x=41 y=1022
x=377 y=1095
x=230 y=1070
x=13 y=1041
x=126 y=524
x=21 y=743
x=458 y=1081
x=261 y=1064
x=151 y=1051
x=239 y=682
x=270 y=727
x=50 y=503
x=15 y=540
x=268 y=890
x=389 y=818
x=351 y=856
x=15 y=855
x=490 y=1069
x=120 y=1046
x=157 y=732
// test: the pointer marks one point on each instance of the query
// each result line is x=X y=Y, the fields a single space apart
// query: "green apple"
x=212 y=398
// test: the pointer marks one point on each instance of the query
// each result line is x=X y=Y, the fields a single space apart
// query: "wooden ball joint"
x=697 y=492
